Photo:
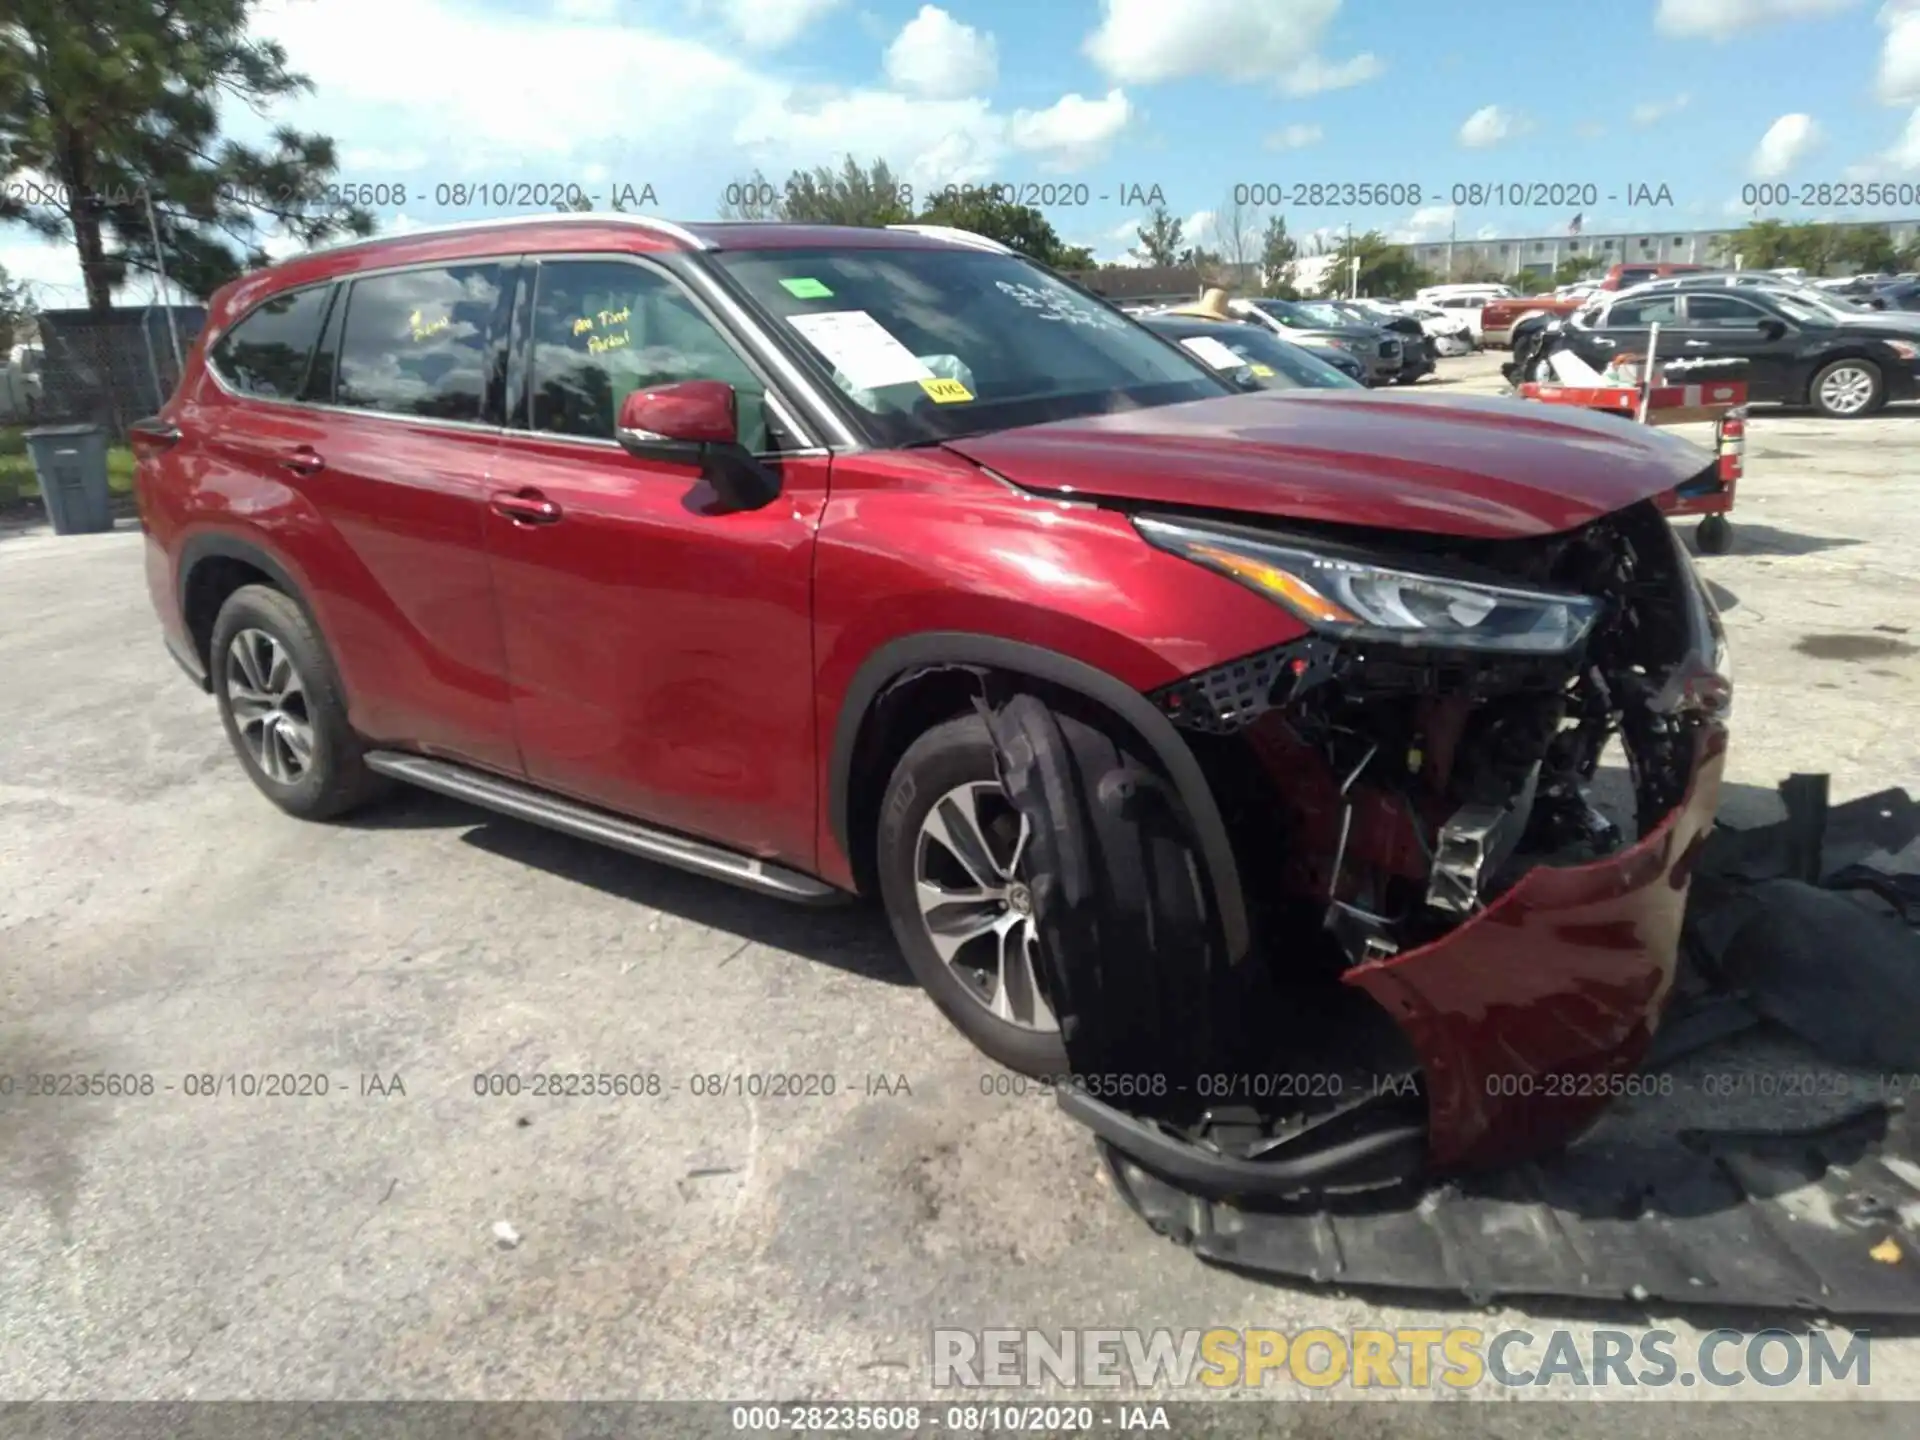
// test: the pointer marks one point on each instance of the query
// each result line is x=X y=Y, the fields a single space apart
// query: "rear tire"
x=281 y=703
x=1848 y=389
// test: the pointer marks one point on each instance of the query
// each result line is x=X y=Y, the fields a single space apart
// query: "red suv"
x=1224 y=748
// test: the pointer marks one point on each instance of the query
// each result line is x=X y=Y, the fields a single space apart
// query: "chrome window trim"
x=709 y=301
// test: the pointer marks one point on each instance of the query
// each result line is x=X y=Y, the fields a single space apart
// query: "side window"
x=416 y=342
x=1638 y=314
x=266 y=353
x=1722 y=312
x=605 y=328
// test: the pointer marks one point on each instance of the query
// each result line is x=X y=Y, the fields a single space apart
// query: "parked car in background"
x=1416 y=349
x=1379 y=349
x=1253 y=355
x=1793 y=350
x=21 y=390
x=766 y=551
x=1625 y=275
x=1499 y=317
x=1439 y=294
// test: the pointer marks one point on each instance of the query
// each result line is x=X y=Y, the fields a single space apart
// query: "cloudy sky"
x=1103 y=100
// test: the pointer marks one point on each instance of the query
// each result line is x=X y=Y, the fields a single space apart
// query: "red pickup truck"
x=1498 y=318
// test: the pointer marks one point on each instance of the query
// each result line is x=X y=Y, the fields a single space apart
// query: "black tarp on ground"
x=1807 y=926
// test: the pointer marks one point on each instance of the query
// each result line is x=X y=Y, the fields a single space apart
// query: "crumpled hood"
x=1469 y=466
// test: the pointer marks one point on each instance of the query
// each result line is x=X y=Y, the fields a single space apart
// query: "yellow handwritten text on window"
x=424 y=328
x=596 y=344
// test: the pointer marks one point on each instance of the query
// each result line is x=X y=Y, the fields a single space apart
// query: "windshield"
x=1256 y=358
x=1799 y=308
x=932 y=344
x=1320 y=312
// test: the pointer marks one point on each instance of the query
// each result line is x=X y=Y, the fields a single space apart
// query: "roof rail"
x=460 y=227
x=958 y=237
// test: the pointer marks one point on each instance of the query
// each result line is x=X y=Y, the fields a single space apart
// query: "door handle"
x=303 y=460
x=526 y=507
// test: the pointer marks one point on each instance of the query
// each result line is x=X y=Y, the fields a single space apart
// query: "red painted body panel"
x=1482 y=467
x=1526 y=1016
x=917 y=542
x=599 y=623
x=660 y=650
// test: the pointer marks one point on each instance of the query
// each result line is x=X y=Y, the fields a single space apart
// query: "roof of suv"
x=697 y=235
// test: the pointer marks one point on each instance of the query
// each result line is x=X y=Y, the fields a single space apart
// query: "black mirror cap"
x=739 y=478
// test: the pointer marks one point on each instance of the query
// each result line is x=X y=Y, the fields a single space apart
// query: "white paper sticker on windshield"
x=860 y=348
x=1214 y=352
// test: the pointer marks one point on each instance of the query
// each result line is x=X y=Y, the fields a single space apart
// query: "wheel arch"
x=212 y=565
x=860 y=730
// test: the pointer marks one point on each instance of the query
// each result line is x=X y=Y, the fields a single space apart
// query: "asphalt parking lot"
x=158 y=917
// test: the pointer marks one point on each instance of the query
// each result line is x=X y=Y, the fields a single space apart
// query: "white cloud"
x=361 y=161
x=1652 y=112
x=936 y=56
x=1294 y=137
x=1432 y=222
x=1898 y=81
x=765 y=24
x=1313 y=74
x=1145 y=41
x=1787 y=140
x=1717 y=19
x=1489 y=125
x=1073 y=131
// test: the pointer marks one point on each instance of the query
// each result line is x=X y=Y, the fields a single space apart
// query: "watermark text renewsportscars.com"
x=1456 y=1358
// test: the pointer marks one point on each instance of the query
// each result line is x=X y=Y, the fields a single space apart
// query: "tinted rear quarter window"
x=266 y=354
x=418 y=342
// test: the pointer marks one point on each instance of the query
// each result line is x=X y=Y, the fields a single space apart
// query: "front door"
x=660 y=647
x=1727 y=327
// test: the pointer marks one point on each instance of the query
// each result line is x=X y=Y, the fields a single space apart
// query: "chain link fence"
x=112 y=370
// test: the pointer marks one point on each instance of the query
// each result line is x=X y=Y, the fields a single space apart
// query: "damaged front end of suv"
x=1462 y=943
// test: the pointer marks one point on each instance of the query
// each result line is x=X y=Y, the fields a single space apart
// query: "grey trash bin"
x=70 y=462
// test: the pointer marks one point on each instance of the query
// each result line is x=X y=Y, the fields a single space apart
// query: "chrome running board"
x=524 y=802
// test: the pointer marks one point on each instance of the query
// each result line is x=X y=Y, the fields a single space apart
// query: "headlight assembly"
x=1358 y=598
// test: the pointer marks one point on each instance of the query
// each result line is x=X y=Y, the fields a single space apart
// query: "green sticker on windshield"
x=806 y=288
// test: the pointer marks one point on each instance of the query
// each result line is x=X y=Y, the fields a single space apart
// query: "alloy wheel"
x=268 y=700
x=1847 y=391
x=976 y=907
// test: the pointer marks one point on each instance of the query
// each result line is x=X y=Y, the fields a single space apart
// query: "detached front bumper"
x=1527 y=1016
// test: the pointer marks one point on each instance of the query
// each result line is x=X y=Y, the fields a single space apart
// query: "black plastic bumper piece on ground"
x=1824 y=1220
x=1371 y=1158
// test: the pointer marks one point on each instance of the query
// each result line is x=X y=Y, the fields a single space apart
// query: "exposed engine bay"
x=1412 y=787
x=1380 y=799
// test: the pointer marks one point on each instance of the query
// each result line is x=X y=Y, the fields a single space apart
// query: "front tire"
x=952 y=870
x=281 y=704
x=1848 y=389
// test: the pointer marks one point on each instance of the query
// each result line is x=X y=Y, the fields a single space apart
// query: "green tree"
x=1278 y=251
x=108 y=104
x=580 y=203
x=1386 y=269
x=1020 y=226
x=1162 y=237
x=17 y=311
x=855 y=194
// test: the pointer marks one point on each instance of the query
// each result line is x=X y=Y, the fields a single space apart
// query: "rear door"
x=661 y=646
x=411 y=372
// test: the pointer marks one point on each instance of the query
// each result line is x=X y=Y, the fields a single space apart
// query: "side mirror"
x=1773 y=329
x=696 y=422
